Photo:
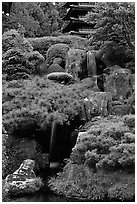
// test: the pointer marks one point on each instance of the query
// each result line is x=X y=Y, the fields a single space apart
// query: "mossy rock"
x=55 y=68
x=57 y=50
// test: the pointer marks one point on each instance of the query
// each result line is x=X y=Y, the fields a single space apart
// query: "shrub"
x=43 y=44
x=45 y=101
x=12 y=39
x=15 y=65
x=57 y=50
x=129 y=120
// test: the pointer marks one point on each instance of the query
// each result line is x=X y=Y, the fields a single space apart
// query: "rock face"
x=96 y=104
x=119 y=83
x=76 y=63
x=23 y=180
x=56 y=51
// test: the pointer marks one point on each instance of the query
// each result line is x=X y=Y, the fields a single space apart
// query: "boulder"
x=56 y=51
x=16 y=150
x=119 y=84
x=95 y=104
x=23 y=180
x=61 y=77
x=76 y=63
x=58 y=61
x=55 y=68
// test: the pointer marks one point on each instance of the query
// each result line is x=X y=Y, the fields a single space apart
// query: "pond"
x=42 y=196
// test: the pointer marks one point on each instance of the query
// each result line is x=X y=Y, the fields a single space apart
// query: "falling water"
x=91 y=64
x=52 y=152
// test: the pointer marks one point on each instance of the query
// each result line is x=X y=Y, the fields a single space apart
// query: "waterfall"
x=52 y=149
x=53 y=140
x=91 y=64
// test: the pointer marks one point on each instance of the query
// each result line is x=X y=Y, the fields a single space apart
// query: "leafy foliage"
x=36 y=18
x=115 y=21
x=107 y=145
x=46 y=101
x=19 y=59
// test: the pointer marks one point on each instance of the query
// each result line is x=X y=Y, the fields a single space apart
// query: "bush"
x=129 y=120
x=57 y=50
x=43 y=44
x=45 y=101
x=12 y=39
x=15 y=65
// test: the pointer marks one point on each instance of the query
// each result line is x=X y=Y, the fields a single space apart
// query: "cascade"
x=53 y=164
x=91 y=64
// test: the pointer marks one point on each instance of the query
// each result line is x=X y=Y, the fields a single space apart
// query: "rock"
x=58 y=61
x=56 y=51
x=55 y=68
x=23 y=180
x=119 y=84
x=76 y=63
x=61 y=77
x=16 y=150
x=91 y=64
x=96 y=104
x=89 y=83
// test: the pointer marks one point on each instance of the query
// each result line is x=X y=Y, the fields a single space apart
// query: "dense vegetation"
x=34 y=18
x=102 y=162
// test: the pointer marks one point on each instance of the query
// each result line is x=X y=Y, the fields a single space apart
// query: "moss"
x=55 y=68
x=57 y=50
x=79 y=181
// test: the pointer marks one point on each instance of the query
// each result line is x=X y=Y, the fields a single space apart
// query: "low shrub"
x=62 y=77
x=45 y=99
x=12 y=39
x=43 y=44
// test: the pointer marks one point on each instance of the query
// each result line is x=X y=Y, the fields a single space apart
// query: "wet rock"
x=119 y=84
x=23 y=180
x=76 y=63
